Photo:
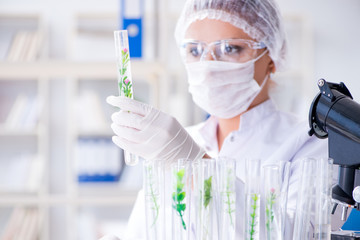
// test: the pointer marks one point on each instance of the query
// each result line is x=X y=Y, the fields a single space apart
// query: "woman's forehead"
x=209 y=30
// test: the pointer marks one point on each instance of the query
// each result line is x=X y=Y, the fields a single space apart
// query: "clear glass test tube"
x=252 y=196
x=305 y=200
x=273 y=205
x=154 y=180
x=203 y=211
x=226 y=175
x=125 y=83
x=181 y=199
x=285 y=168
x=323 y=199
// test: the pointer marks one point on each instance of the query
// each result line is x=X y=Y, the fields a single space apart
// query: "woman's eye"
x=194 y=51
x=232 y=49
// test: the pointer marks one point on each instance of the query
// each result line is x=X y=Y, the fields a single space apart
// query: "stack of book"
x=24 y=224
x=25 y=46
x=24 y=112
x=21 y=174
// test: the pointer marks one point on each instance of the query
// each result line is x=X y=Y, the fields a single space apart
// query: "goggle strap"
x=262 y=45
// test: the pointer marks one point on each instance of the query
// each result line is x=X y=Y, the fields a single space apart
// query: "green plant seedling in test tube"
x=124 y=77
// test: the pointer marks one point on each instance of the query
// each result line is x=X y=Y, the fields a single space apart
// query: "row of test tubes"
x=202 y=200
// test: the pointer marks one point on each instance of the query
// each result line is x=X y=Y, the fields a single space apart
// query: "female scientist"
x=230 y=49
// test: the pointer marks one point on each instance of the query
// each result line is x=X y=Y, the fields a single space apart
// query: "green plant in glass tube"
x=253 y=216
x=207 y=191
x=125 y=85
x=229 y=200
x=152 y=193
x=124 y=76
x=123 y=61
x=270 y=201
x=179 y=196
x=225 y=169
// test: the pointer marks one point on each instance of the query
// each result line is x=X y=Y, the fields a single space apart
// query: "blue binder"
x=132 y=12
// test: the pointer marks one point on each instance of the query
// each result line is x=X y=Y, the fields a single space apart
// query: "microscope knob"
x=356 y=194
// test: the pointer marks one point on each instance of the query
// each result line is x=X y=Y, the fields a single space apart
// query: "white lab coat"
x=265 y=133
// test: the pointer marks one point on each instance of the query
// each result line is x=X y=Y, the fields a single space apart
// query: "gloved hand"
x=150 y=133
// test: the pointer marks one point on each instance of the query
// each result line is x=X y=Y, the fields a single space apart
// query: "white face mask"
x=223 y=89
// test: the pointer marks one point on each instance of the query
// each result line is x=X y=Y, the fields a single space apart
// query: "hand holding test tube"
x=124 y=77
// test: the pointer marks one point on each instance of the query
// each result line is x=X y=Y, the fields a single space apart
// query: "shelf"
x=5 y=132
x=127 y=199
x=19 y=131
x=101 y=70
x=111 y=189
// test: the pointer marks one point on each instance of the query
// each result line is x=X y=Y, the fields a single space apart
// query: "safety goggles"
x=228 y=50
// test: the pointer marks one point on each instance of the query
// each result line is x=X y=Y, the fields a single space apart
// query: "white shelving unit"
x=77 y=203
x=24 y=132
x=21 y=143
x=76 y=196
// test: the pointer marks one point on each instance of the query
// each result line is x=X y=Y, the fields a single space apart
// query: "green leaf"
x=207 y=187
x=180 y=174
x=207 y=201
x=181 y=196
x=179 y=186
x=207 y=182
x=181 y=207
x=120 y=85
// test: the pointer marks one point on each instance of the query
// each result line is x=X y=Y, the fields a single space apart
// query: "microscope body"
x=334 y=115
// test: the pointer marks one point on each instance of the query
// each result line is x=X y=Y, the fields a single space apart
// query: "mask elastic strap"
x=261 y=55
x=267 y=75
x=264 y=82
x=261 y=87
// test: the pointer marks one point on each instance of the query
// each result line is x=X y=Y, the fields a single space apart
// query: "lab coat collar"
x=256 y=115
x=249 y=119
x=208 y=134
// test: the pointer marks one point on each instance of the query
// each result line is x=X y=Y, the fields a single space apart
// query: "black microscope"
x=336 y=116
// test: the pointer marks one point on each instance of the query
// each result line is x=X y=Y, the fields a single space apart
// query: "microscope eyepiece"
x=336 y=116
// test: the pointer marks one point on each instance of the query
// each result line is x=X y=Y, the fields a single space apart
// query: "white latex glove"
x=150 y=133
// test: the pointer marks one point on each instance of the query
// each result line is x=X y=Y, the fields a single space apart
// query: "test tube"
x=154 y=180
x=285 y=168
x=323 y=199
x=252 y=196
x=273 y=203
x=124 y=77
x=226 y=175
x=203 y=199
x=305 y=200
x=180 y=194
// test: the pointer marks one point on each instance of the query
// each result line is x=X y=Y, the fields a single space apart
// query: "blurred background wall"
x=54 y=122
